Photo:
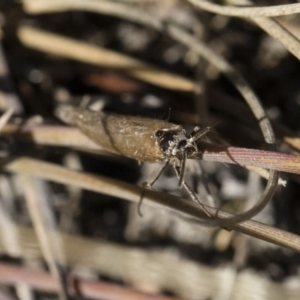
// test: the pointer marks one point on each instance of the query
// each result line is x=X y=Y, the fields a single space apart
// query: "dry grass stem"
x=279 y=33
x=69 y=48
x=43 y=220
x=264 y=174
x=87 y=289
x=293 y=142
x=258 y=11
x=9 y=231
x=102 y=7
x=63 y=136
x=103 y=185
x=259 y=16
x=276 y=30
x=51 y=136
x=133 y=14
x=251 y=157
x=240 y=112
x=131 y=264
x=7 y=223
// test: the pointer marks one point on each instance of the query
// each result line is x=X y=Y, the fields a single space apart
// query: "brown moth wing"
x=133 y=137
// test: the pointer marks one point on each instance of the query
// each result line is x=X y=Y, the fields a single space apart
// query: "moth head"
x=168 y=140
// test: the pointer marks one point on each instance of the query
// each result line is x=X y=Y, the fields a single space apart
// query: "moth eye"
x=181 y=144
x=159 y=133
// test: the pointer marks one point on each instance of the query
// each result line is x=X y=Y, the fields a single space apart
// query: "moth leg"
x=150 y=184
x=190 y=192
x=182 y=168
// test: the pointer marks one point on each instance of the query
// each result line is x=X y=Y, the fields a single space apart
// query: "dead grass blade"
x=258 y=15
x=132 y=264
x=251 y=157
x=258 y=11
x=265 y=174
x=51 y=136
x=87 y=289
x=7 y=223
x=122 y=190
x=43 y=220
x=102 y=7
x=69 y=48
x=71 y=137
x=292 y=141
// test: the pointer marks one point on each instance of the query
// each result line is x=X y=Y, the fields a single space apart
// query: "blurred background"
x=123 y=57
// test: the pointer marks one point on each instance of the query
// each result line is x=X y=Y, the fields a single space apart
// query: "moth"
x=143 y=139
